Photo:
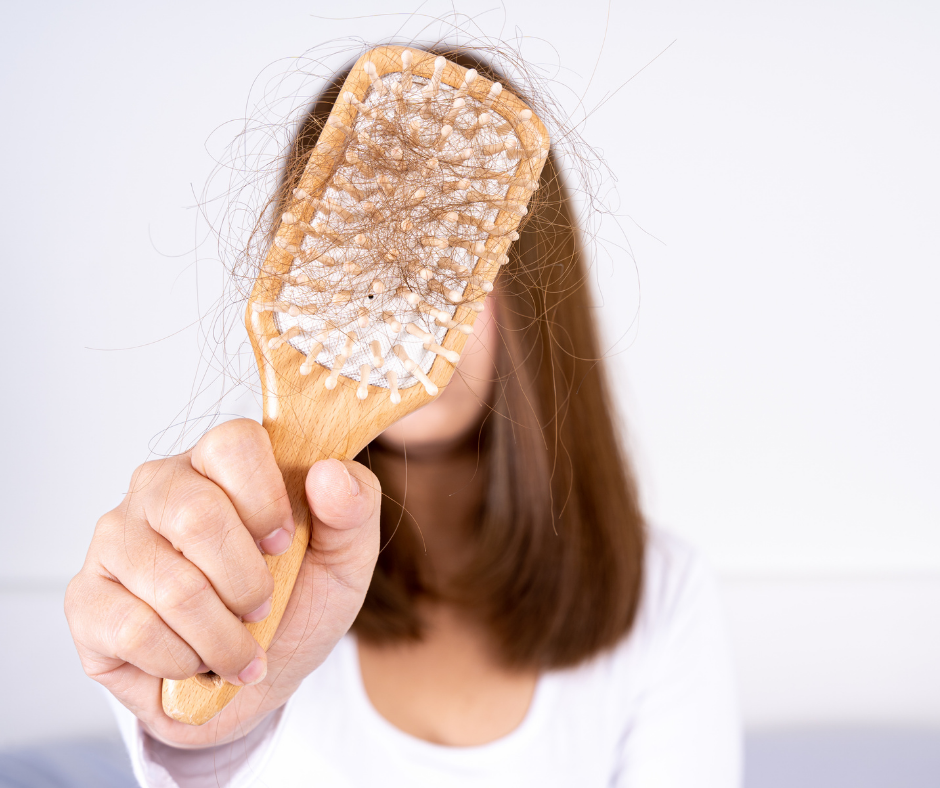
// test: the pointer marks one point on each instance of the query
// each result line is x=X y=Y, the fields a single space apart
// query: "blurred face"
x=462 y=405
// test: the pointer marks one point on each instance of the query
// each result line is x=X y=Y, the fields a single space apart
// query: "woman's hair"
x=557 y=568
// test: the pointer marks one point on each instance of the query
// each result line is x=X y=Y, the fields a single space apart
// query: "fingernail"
x=277 y=543
x=260 y=614
x=256 y=671
x=353 y=483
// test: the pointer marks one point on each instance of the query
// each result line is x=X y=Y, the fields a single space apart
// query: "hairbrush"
x=400 y=221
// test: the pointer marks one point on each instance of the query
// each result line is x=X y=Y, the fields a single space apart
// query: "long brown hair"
x=557 y=568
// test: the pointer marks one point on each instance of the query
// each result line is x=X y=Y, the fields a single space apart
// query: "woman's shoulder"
x=669 y=678
x=679 y=606
x=676 y=576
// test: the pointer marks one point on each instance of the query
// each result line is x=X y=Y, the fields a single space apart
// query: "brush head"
x=401 y=220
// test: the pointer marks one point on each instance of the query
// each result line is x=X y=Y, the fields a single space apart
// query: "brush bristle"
x=401 y=241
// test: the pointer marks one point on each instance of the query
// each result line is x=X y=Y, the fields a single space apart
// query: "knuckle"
x=135 y=633
x=95 y=668
x=72 y=603
x=139 y=636
x=90 y=669
x=177 y=659
x=182 y=591
x=193 y=515
x=145 y=474
x=237 y=438
x=107 y=522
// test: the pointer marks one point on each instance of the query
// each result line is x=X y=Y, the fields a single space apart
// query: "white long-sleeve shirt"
x=657 y=711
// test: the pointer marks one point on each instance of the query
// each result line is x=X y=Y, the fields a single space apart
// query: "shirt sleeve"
x=234 y=765
x=685 y=731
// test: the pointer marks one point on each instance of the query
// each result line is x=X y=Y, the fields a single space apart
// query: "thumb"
x=345 y=500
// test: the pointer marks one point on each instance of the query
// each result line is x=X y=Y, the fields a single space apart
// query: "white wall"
x=778 y=174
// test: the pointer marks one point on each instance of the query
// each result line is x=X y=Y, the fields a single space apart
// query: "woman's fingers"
x=124 y=629
x=182 y=596
x=237 y=456
x=197 y=517
x=199 y=520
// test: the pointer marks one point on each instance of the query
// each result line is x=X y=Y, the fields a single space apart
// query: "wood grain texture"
x=306 y=421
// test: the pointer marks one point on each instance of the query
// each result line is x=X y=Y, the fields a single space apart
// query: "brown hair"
x=557 y=570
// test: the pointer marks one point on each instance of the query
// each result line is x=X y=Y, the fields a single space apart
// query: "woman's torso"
x=659 y=709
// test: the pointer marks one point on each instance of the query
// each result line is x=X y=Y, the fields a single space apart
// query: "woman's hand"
x=174 y=570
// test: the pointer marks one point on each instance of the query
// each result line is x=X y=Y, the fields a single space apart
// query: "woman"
x=520 y=626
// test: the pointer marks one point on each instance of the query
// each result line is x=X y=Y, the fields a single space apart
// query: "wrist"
x=234 y=723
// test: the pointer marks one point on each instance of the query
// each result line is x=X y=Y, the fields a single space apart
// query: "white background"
x=775 y=330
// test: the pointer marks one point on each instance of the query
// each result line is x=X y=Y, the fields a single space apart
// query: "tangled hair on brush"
x=559 y=540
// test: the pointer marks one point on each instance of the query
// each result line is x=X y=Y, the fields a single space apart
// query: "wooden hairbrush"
x=402 y=217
